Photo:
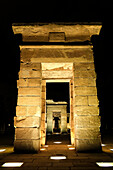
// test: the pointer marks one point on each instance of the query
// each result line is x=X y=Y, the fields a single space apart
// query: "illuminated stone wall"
x=60 y=107
x=86 y=111
x=28 y=112
x=40 y=63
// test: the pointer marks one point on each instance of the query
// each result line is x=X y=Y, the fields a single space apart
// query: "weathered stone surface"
x=85 y=91
x=30 y=66
x=57 y=36
x=85 y=73
x=29 y=101
x=29 y=74
x=56 y=54
x=34 y=110
x=84 y=81
x=29 y=91
x=22 y=82
x=21 y=111
x=29 y=121
x=87 y=133
x=81 y=100
x=87 y=121
x=73 y=32
x=85 y=145
x=27 y=145
x=84 y=66
x=93 y=100
x=28 y=111
x=57 y=66
x=27 y=133
x=86 y=110
x=34 y=82
x=57 y=74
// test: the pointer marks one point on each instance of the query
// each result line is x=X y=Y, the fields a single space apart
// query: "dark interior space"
x=78 y=11
x=58 y=92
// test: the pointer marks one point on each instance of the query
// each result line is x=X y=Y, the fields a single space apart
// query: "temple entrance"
x=56 y=122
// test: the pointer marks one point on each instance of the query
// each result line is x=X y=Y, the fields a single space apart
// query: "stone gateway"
x=57 y=52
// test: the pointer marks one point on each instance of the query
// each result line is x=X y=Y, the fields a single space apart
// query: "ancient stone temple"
x=56 y=115
x=57 y=52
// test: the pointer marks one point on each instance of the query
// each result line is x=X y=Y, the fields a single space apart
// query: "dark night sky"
x=56 y=11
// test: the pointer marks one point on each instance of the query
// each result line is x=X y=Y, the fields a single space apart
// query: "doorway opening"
x=58 y=112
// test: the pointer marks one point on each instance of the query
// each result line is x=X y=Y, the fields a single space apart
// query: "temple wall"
x=30 y=118
x=63 y=111
x=28 y=112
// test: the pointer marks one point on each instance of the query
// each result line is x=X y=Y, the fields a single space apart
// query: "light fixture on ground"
x=71 y=148
x=2 y=150
x=105 y=164
x=42 y=149
x=111 y=149
x=103 y=144
x=12 y=164
x=57 y=142
x=57 y=157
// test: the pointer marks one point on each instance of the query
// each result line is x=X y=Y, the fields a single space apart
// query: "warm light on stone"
x=41 y=64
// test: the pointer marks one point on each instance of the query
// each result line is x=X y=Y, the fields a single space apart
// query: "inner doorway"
x=58 y=100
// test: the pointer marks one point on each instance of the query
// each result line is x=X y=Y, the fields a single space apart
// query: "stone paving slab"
x=42 y=161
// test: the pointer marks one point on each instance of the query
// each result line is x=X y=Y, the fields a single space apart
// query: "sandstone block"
x=34 y=111
x=22 y=82
x=87 y=121
x=85 y=145
x=93 y=100
x=86 y=110
x=29 y=74
x=84 y=66
x=30 y=121
x=34 y=82
x=81 y=100
x=21 y=111
x=29 y=91
x=27 y=133
x=87 y=133
x=28 y=146
x=57 y=74
x=30 y=66
x=85 y=73
x=84 y=81
x=29 y=101
x=85 y=90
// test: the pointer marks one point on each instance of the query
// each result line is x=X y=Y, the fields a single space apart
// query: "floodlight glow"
x=111 y=149
x=12 y=164
x=69 y=145
x=58 y=157
x=71 y=148
x=58 y=142
x=105 y=164
x=2 y=150
x=45 y=146
x=42 y=149
x=103 y=144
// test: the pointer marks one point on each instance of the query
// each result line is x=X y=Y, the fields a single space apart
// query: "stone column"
x=86 y=111
x=49 y=119
x=64 y=119
x=43 y=113
x=71 y=114
x=28 y=112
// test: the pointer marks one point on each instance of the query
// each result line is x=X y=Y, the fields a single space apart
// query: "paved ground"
x=73 y=161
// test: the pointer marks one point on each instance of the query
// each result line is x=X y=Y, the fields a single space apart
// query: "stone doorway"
x=68 y=59
x=56 y=122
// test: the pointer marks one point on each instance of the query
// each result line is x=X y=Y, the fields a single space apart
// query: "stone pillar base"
x=88 y=145
x=27 y=146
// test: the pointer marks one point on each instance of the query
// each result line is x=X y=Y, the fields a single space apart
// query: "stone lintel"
x=54 y=32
